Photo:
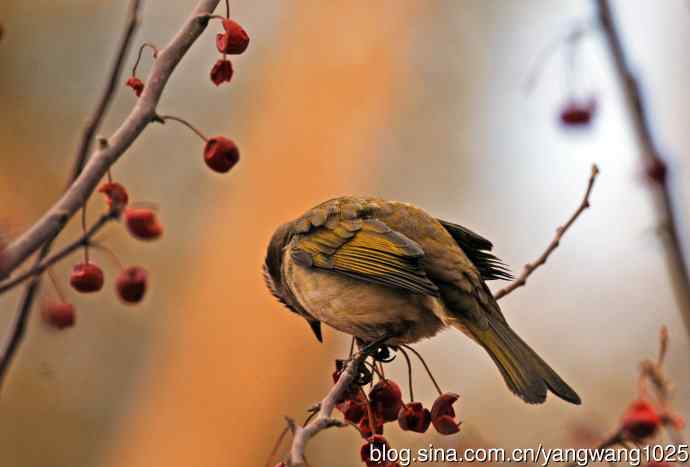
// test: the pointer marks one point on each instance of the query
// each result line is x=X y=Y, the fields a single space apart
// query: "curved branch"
x=84 y=240
x=144 y=112
x=560 y=231
x=324 y=418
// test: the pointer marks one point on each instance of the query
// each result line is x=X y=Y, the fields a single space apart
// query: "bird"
x=387 y=271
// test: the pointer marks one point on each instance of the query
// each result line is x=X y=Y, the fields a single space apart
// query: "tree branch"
x=18 y=329
x=41 y=266
x=560 y=231
x=144 y=112
x=85 y=178
x=651 y=158
x=324 y=418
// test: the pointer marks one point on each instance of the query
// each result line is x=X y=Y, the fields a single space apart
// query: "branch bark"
x=144 y=113
x=651 y=157
x=85 y=176
x=521 y=280
x=47 y=262
x=324 y=419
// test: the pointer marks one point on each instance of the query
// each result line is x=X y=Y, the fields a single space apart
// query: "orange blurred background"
x=417 y=101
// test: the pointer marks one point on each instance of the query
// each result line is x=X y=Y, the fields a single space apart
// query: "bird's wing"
x=477 y=250
x=363 y=248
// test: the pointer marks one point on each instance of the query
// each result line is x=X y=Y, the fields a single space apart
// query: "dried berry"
x=640 y=421
x=221 y=154
x=235 y=39
x=58 y=314
x=366 y=429
x=443 y=414
x=221 y=72
x=386 y=400
x=116 y=195
x=143 y=223
x=86 y=277
x=377 y=443
x=578 y=114
x=353 y=405
x=136 y=84
x=131 y=284
x=414 y=417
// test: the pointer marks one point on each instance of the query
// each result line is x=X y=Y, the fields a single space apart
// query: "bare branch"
x=18 y=328
x=109 y=92
x=41 y=266
x=144 y=112
x=324 y=419
x=652 y=160
x=560 y=231
x=85 y=178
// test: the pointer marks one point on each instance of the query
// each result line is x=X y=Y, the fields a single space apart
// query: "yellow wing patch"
x=366 y=249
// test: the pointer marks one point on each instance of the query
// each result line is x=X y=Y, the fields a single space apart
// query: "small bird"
x=386 y=271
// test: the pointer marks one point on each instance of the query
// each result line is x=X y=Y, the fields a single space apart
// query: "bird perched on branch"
x=385 y=270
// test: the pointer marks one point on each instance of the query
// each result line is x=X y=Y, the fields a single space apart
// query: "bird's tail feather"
x=525 y=373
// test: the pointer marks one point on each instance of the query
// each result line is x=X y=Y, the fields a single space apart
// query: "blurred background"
x=422 y=102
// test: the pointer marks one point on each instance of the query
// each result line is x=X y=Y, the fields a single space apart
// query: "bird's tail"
x=525 y=373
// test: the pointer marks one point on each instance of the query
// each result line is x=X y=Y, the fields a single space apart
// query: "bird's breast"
x=363 y=309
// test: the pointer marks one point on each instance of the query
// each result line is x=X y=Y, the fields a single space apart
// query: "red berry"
x=386 y=400
x=377 y=442
x=640 y=421
x=443 y=414
x=366 y=429
x=221 y=154
x=235 y=39
x=116 y=195
x=58 y=314
x=578 y=114
x=221 y=72
x=131 y=284
x=136 y=84
x=142 y=223
x=414 y=417
x=86 y=277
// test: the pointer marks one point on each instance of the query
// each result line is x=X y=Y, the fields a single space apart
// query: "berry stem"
x=409 y=372
x=110 y=176
x=83 y=231
x=227 y=8
x=56 y=286
x=426 y=367
x=165 y=118
x=141 y=50
x=110 y=253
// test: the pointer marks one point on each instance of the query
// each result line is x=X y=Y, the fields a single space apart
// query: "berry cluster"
x=88 y=277
x=220 y=154
x=384 y=404
x=369 y=411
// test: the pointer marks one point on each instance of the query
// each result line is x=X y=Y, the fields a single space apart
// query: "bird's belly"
x=363 y=309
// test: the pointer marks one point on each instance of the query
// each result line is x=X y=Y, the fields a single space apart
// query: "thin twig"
x=651 y=158
x=324 y=419
x=83 y=241
x=560 y=231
